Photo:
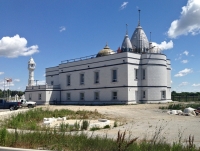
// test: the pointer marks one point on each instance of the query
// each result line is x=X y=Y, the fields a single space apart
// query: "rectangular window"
x=51 y=82
x=30 y=96
x=68 y=96
x=68 y=80
x=114 y=95
x=40 y=96
x=143 y=94
x=81 y=79
x=96 y=95
x=114 y=75
x=82 y=96
x=136 y=73
x=96 y=77
x=143 y=73
x=163 y=94
x=136 y=95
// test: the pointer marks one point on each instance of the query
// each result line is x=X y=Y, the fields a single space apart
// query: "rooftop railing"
x=36 y=87
x=108 y=53
x=78 y=59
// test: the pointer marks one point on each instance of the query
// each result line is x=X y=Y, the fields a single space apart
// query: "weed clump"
x=85 y=125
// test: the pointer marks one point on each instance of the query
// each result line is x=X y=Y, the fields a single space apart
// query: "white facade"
x=131 y=75
x=152 y=84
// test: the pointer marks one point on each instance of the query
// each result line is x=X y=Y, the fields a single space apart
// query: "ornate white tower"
x=31 y=68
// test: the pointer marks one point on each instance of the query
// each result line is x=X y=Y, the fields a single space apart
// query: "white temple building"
x=135 y=73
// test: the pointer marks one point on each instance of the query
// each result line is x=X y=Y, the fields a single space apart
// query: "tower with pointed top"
x=126 y=44
x=139 y=39
x=31 y=68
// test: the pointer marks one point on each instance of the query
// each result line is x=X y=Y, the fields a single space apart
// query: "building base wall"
x=154 y=101
x=92 y=103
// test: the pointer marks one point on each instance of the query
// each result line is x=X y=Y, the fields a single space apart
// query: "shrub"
x=77 y=125
x=84 y=125
x=94 y=128
x=115 y=124
x=106 y=126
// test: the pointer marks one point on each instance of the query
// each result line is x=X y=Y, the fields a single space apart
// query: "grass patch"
x=54 y=140
x=31 y=119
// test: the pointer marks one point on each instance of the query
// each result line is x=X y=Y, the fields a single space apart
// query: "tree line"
x=6 y=93
x=174 y=93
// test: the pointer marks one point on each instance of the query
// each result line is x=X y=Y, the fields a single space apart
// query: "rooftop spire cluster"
x=138 y=43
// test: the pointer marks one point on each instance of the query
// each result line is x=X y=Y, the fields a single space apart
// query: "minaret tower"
x=31 y=68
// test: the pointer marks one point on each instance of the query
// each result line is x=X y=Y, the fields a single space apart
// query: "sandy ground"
x=144 y=121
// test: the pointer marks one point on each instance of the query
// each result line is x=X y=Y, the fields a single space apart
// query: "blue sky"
x=52 y=31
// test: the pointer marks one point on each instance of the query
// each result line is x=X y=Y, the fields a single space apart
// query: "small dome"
x=139 y=40
x=153 y=49
x=105 y=52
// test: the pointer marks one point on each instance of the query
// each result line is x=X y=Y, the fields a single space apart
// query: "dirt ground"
x=141 y=120
x=145 y=121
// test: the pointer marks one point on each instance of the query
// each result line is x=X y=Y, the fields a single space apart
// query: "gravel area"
x=144 y=121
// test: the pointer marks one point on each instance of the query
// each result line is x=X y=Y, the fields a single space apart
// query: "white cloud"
x=184 y=61
x=124 y=4
x=183 y=72
x=42 y=82
x=164 y=45
x=12 y=47
x=183 y=84
x=16 y=80
x=189 y=21
x=171 y=81
x=62 y=28
x=186 y=52
x=180 y=55
x=196 y=85
x=1 y=73
x=44 y=75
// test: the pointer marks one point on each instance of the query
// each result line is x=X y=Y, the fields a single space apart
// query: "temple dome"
x=126 y=44
x=139 y=40
x=105 y=52
x=153 y=48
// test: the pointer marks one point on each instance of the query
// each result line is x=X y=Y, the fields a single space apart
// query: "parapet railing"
x=88 y=57
x=96 y=55
x=43 y=87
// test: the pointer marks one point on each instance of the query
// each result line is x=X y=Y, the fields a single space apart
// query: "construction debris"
x=187 y=112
